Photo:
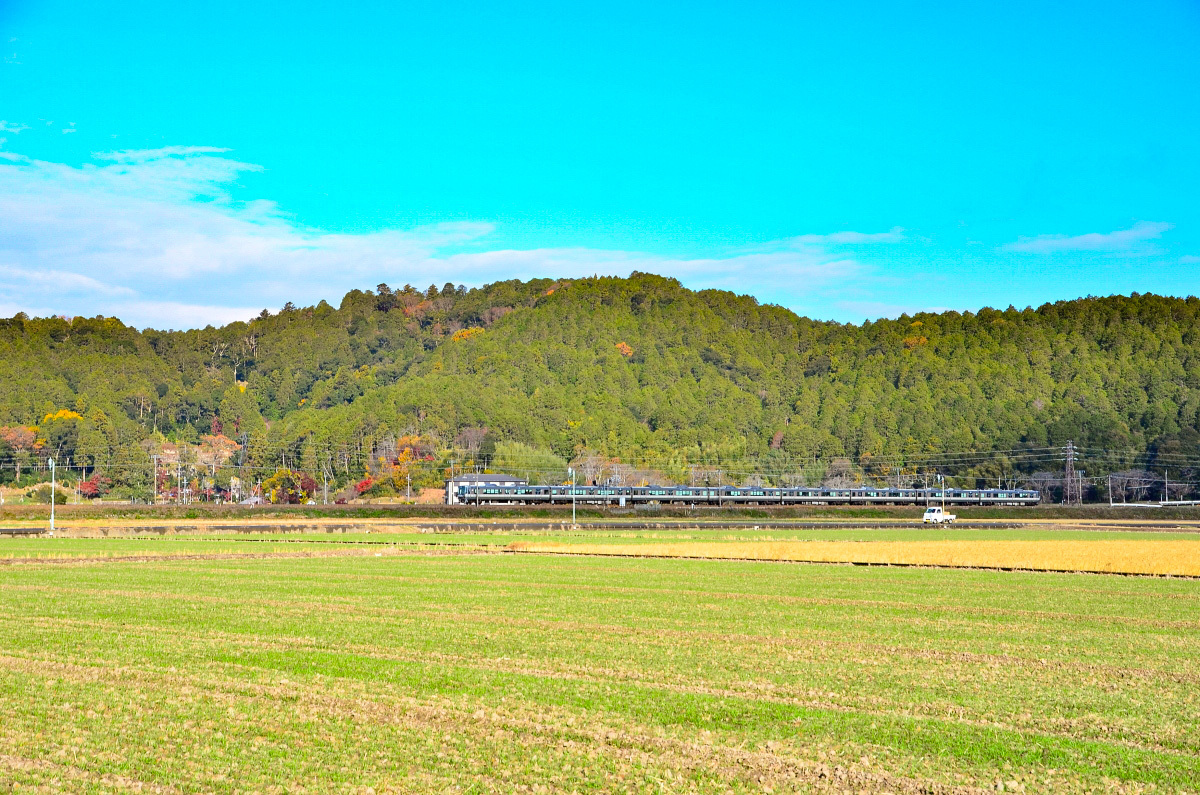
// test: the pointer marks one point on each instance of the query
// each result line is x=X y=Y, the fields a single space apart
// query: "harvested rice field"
x=415 y=662
x=1112 y=556
x=1127 y=548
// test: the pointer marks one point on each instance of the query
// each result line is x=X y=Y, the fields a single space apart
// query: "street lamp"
x=52 y=488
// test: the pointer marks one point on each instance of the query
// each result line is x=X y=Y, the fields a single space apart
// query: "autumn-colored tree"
x=288 y=487
x=20 y=440
x=95 y=486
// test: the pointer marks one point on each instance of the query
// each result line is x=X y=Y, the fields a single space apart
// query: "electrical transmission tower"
x=1072 y=486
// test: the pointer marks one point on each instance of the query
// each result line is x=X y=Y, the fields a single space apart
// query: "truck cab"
x=935 y=515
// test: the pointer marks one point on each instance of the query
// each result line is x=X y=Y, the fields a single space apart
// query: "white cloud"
x=52 y=280
x=894 y=235
x=180 y=315
x=1120 y=240
x=156 y=238
x=148 y=155
x=1189 y=259
x=12 y=127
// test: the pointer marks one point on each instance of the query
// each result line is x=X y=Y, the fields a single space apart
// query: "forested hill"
x=638 y=369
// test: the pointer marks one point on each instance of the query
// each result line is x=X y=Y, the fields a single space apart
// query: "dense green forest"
x=635 y=379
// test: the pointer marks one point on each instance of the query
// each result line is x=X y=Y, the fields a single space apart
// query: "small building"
x=479 y=480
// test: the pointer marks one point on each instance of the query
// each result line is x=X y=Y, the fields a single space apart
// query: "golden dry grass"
x=1134 y=556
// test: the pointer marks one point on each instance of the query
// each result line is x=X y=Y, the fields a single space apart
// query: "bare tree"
x=248 y=348
x=238 y=355
x=793 y=479
x=622 y=475
x=383 y=452
x=219 y=349
x=1044 y=482
x=590 y=465
x=471 y=439
x=839 y=474
x=1137 y=485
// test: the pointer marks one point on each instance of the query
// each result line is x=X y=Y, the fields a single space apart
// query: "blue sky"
x=178 y=166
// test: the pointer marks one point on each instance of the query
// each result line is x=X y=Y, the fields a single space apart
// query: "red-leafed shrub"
x=95 y=486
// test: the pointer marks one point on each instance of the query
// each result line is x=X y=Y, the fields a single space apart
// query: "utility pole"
x=53 y=487
x=571 y=470
x=1110 y=502
x=1072 y=487
x=154 y=481
x=1166 y=487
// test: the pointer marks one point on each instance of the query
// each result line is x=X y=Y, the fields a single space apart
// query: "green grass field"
x=399 y=669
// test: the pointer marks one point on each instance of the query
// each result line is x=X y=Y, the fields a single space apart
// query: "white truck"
x=935 y=515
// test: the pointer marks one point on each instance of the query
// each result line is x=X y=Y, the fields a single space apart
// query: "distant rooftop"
x=475 y=478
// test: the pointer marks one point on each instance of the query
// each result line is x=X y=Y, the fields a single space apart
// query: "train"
x=524 y=494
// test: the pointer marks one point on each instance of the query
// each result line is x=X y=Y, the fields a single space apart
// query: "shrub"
x=41 y=494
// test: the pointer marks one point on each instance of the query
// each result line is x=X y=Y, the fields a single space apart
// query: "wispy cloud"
x=1189 y=259
x=1133 y=238
x=52 y=280
x=178 y=314
x=150 y=155
x=12 y=127
x=156 y=237
x=894 y=235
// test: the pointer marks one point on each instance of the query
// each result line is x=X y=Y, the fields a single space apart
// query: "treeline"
x=630 y=379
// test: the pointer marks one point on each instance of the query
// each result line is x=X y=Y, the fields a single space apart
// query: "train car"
x=524 y=494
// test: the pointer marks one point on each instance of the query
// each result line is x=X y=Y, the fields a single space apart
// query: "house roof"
x=474 y=478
